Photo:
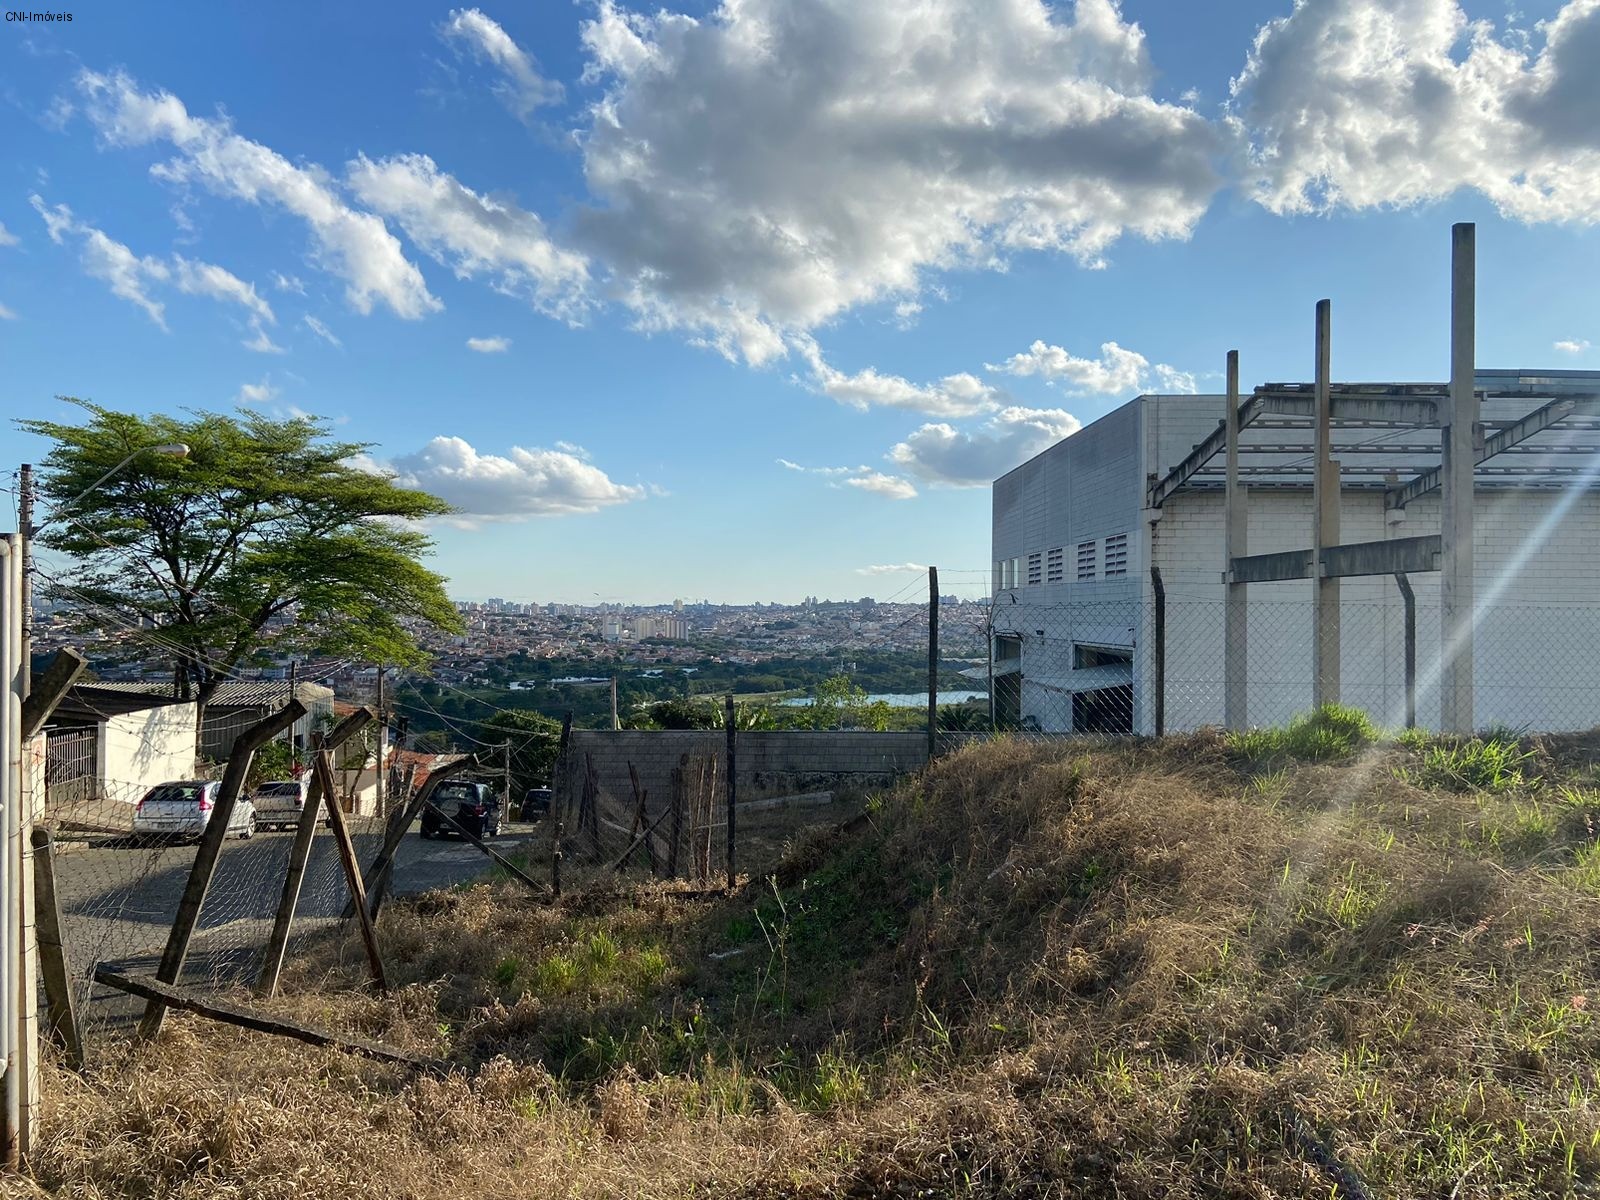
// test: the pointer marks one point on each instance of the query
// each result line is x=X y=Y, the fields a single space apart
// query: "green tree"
x=534 y=740
x=270 y=536
x=840 y=704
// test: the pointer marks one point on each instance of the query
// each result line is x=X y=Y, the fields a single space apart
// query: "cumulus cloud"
x=959 y=395
x=866 y=478
x=7 y=238
x=513 y=487
x=939 y=453
x=255 y=393
x=474 y=234
x=1369 y=103
x=321 y=330
x=522 y=89
x=1115 y=372
x=761 y=170
x=489 y=345
x=356 y=246
x=890 y=568
x=1572 y=345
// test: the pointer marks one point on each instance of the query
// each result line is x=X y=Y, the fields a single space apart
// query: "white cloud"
x=959 y=395
x=865 y=478
x=1115 y=372
x=356 y=246
x=130 y=275
x=474 y=234
x=321 y=330
x=515 y=486
x=104 y=258
x=761 y=170
x=288 y=283
x=1385 y=103
x=489 y=345
x=891 y=568
x=522 y=88
x=7 y=238
x=255 y=393
x=1572 y=345
x=892 y=486
x=7 y=314
x=941 y=454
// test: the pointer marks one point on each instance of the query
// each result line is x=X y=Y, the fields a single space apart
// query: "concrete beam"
x=1456 y=491
x=1355 y=409
x=1392 y=557
x=1324 y=523
x=1271 y=568
x=1235 y=536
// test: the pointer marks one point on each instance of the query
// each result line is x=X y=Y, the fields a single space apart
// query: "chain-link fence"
x=1150 y=665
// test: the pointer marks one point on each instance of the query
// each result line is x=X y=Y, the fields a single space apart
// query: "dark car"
x=536 y=804
x=474 y=806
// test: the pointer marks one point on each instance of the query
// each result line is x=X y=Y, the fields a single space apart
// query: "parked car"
x=183 y=809
x=536 y=804
x=474 y=806
x=280 y=802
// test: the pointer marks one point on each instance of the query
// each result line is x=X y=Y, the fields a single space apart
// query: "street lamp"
x=29 y=531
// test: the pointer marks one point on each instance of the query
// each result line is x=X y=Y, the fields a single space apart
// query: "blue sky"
x=763 y=296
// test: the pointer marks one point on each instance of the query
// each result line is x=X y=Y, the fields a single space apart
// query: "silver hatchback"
x=184 y=808
x=280 y=802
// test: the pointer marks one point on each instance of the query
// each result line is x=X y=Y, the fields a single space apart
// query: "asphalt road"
x=118 y=897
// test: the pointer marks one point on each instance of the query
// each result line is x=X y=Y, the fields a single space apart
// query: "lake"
x=906 y=699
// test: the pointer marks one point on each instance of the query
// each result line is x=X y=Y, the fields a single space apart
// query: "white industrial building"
x=1121 y=606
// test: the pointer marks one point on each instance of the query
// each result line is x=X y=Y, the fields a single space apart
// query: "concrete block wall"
x=769 y=763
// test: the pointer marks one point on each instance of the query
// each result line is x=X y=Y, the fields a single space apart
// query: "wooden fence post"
x=210 y=849
x=61 y=1004
x=305 y=830
x=733 y=779
x=558 y=804
x=352 y=869
x=382 y=868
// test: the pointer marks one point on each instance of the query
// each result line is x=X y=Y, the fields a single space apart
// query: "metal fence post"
x=558 y=802
x=1159 y=647
x=733 y=787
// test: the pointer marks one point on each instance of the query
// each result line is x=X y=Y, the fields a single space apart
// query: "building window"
x=1053 y=570
x=1117 y=555
x=1035 y=569
x=999 y=575
x=1086 y=560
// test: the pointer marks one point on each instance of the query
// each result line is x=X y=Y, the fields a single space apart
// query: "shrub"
x=1330 y=732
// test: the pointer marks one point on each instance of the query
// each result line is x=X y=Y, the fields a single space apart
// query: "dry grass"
x=1134 y=971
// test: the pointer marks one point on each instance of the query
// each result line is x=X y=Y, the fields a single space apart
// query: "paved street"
x=118 y=897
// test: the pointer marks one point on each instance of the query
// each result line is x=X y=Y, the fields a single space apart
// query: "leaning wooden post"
x=558 y=802
x=382 y=867
x=304 y=832
x=61 y=1004
x=733 y=781
x=352 y=869
x=205 y=858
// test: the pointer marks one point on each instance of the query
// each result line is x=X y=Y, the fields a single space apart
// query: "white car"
x=184 y=809
x=280 y=801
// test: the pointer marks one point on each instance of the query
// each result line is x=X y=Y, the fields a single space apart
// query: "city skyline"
x=621 y=285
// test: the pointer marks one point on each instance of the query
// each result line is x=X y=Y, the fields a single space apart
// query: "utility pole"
x=614 y=724
x=294 y=739
x=383 y=742
x=505 y=800
x=25 y=528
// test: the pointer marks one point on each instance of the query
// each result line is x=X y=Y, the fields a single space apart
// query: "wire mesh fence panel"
x=643 y=805
x=1146 y=665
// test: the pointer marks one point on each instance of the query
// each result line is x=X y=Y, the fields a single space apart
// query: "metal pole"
x=1410 y=599
x=1160 y=650
x=1235 y=538
x=505 y=800
x=733 y=787
x=10 y=805
x=1458 y=443
x=25 y=522
x=933 y=660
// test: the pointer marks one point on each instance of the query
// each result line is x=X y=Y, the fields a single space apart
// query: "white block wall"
x=140 y=749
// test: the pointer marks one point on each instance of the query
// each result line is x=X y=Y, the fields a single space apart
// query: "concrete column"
x=1235 y=542
x=1324 y=526
x=1458 y=455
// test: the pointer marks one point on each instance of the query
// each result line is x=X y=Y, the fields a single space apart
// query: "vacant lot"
x=1299 y=964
